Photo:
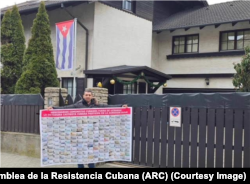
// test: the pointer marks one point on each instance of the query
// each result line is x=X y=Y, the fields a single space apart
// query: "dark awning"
x=121 y=71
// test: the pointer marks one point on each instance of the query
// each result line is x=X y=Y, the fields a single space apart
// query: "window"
x=130 y=88
x=234 y=40
x=185 y=44
x=68 y=84
x=127 y=5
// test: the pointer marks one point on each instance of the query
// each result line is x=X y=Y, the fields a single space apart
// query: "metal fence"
x=206 y=138
x=20 y=113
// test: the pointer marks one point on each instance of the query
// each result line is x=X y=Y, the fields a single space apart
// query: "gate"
x=215 y=136
x=207 y=138
x=20 y=113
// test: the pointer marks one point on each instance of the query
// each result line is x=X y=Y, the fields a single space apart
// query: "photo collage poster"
x=82 y=136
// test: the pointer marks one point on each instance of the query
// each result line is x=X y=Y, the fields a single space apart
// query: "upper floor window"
x=234 y=40
x=127 y=5
x=185 y=44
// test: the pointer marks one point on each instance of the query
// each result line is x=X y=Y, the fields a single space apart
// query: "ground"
x=14 y=160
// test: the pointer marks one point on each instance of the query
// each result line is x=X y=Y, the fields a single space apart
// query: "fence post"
x=52 y=96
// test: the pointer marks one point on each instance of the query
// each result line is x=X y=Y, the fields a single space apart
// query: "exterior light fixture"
x=99 y=85
x=112 y=81
x=207 y=81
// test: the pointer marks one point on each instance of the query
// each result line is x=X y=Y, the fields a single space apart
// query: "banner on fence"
x=82 y=136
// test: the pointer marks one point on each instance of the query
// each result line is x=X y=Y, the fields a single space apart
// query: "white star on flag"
x=64 y=28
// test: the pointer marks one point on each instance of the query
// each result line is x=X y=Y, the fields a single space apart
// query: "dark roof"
x=228 y=12
x=30 y=6
x=127 y=69
x=204 y=2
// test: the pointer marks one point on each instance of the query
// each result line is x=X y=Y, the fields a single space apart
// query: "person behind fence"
x=88 y=101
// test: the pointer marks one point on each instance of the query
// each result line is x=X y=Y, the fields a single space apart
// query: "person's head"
x=87 y=95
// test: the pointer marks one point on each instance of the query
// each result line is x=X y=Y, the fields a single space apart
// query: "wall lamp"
x=207 y=81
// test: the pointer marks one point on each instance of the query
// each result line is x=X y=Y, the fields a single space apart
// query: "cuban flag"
x=65 y=40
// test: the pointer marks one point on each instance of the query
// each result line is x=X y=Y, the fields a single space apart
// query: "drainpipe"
x=87 y=40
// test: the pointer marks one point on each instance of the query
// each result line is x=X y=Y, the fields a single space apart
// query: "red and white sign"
x=175 y=116
x=85 y=112
x=82 y=136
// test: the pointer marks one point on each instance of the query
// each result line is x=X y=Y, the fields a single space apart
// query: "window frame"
x=132 y=88
x=68 y=78
x=131 y=3
x=235 y=31
x=185 y=44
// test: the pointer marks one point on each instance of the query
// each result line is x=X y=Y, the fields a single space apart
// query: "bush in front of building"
x=12 y=49
x=39 y=69
x=242 y=77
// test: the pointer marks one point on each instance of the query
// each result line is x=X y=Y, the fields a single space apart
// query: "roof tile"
x=213 y=14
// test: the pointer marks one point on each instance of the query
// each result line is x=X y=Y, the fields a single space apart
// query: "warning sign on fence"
x=175 y=116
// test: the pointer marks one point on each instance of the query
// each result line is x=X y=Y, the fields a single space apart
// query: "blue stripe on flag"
x=64 y=52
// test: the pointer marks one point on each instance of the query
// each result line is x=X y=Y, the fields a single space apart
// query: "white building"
x=186 y=40
x=198 y=46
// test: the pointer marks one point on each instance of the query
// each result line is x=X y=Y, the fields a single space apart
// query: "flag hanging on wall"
x=65 y=40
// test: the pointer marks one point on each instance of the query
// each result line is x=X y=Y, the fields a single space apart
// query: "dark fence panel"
x=202 y=137
x=186 y=133
x=137 y=130
x=150 y=138
x=246 y=138
x=170 y=152
x=229 y=138
x=238 y=127
x=219 y=137
x=178 y=146
x=20 y=113
x=144 y=116
x=23 y=119
x=164 y=120
x=194 y=134
x=210 y=137
x=207 y=138
x=157 y=128
x=2 y=118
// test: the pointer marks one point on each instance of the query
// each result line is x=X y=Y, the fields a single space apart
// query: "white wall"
x=85 y=14
x=200 y=83
x=115 y=37
x=208 y=42
x=120 y=38
x=155 y=52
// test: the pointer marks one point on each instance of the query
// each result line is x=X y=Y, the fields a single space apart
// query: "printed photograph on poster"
x=77 y=139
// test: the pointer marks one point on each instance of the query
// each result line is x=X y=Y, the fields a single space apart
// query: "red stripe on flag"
x=64 y=27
